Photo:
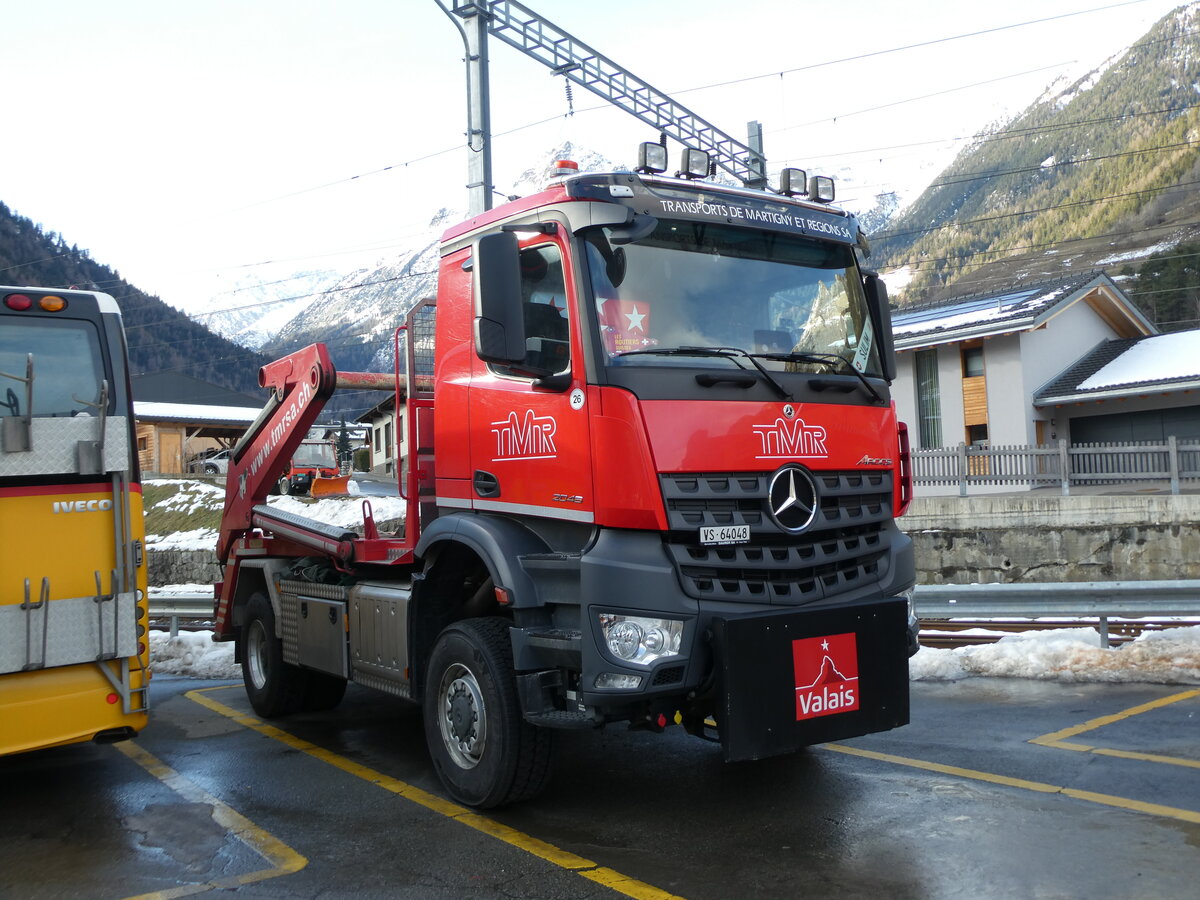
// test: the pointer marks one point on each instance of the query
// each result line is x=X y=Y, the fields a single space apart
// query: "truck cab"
x=653 y=478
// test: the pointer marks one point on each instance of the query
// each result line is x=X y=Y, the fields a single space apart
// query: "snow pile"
x=1068 y=655
x=192 y=653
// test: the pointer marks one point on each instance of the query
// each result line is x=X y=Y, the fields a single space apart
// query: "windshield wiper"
x=824 y=359
x=730 y=353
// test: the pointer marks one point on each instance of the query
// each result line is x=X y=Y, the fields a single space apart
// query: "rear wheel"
x=485 y=753
x=274 y=687
x=285 y=486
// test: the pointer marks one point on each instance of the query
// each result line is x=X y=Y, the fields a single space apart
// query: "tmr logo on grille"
x=826 y=675
x=791 y=440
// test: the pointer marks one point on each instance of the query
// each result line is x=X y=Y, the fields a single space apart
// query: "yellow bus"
x=74 y=658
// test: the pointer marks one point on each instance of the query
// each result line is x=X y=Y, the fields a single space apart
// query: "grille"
x=668 y=675
x=843 y=549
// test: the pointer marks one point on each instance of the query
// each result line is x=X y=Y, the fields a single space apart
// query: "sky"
x=191 y=145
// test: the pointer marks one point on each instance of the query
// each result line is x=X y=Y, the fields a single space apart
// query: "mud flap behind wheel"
x=795 y=678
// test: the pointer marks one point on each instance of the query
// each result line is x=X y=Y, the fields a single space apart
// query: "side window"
x=543 y=291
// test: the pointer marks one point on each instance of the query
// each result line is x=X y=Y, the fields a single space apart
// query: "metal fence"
x=1170 y=462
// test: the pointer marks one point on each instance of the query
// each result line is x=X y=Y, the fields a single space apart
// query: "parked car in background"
x=213 y=462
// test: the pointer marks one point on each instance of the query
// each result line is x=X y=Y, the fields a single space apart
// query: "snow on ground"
x=346 y=511
x=1066 y=655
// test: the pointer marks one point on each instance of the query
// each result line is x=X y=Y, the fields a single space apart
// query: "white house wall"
x=1009 y=408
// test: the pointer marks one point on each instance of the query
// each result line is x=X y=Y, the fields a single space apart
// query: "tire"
x=210 y=469
x=284 y=486
x=274 y=687
x=484 y=752
x=322 y=691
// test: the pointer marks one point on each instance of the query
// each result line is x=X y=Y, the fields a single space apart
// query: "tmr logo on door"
x=529 y=437
x=826 y=675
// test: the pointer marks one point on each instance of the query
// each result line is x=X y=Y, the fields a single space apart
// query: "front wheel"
x=284 y=486
x=484 y=752
x=274 y=687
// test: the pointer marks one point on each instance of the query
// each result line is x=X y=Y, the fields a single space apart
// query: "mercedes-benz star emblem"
x=792 y=498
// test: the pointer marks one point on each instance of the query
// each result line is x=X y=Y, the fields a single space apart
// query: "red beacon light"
x=565 y=167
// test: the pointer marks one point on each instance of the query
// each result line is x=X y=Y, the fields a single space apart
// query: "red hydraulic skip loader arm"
x=300 y=384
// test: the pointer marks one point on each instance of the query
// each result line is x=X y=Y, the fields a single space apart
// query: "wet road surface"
x=959 y=803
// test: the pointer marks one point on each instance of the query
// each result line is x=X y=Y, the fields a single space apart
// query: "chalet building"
x=1070 y=360
x=387 y=440
x=180 y=417
x=972 y=369
x=1125 y=391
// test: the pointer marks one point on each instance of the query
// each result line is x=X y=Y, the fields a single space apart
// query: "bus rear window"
x=67 y=367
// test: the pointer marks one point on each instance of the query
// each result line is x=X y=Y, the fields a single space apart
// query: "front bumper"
x=722 y=663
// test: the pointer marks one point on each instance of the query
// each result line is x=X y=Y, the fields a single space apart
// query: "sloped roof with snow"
x=1160 y=363
x=1007 y=311
x=193 y=413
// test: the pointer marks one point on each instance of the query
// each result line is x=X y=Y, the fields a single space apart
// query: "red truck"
x=653 y=478
x=313 y=462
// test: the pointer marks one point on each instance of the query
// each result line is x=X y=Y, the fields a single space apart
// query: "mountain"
x=161 y=339
x=253 y=310
x=1095 y=173
x=357 y=314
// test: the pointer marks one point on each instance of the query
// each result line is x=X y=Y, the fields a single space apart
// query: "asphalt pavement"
x=998 y=788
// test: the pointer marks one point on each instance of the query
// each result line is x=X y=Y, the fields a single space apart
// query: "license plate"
x=725 y=534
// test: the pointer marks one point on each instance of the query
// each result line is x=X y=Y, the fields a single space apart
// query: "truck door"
x=530 y=448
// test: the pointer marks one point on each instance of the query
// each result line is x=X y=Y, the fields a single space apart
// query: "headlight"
x=912 y=604
x=641 y=640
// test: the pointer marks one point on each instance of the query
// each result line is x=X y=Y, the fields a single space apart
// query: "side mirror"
x=881 y=321
x=500 y=325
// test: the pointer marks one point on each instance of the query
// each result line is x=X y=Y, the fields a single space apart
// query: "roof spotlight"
x=793 y=182
x=820 y=188
x=694 y=163
x=652 y=158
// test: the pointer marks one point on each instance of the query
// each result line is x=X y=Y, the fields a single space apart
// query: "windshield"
x=315 y=455
x=67 y=367
x=696 y=284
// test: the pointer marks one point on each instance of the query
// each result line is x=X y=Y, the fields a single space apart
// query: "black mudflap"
x=795 y=678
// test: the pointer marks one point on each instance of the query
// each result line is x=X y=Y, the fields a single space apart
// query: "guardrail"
x=1102 y=599
x=1075 y=599
x=177 y=607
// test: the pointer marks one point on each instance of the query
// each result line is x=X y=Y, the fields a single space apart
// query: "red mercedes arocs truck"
x=653 y=478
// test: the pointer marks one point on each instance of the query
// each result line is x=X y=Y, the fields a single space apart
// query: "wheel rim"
x=256 y=654
x=462 y=716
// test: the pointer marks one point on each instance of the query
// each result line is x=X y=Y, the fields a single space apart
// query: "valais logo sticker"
x=826 y=675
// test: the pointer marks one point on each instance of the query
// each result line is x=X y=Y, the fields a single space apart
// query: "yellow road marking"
x=1154 y=809
x=564 y=859
x=283 y=859
x=1056 y=738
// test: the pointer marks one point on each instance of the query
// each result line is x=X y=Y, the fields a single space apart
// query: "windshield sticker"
x=866 y=340
x=625 y=325
x=804 y=221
